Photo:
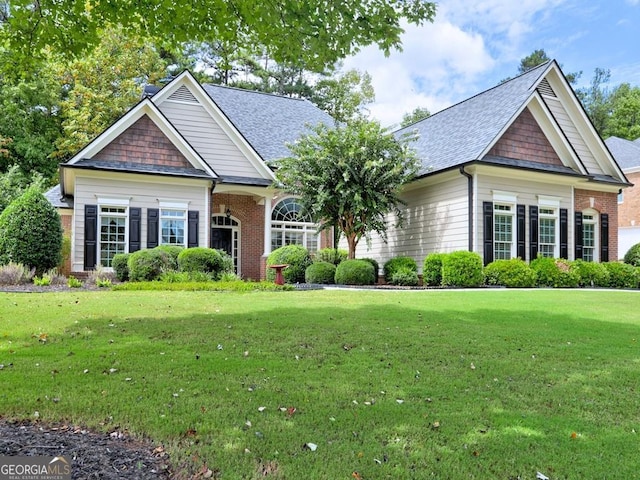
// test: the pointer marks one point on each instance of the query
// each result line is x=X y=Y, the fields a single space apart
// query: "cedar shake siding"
x=143 y=143
x=524 y=140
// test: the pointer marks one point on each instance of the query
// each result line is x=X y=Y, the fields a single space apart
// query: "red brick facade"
x=602 y=203
x=525 y=140
x=629 y=209
x=144 y=143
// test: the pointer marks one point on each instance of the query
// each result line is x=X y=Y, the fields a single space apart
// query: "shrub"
x=591 y=274
x=228 y=269
x=298 y=259
x=147 y=265
x=171 y=276
x=331 y=255
x=43 y=281
x=73 y=282
x=432 y=269
x=173 y=251
x=100 y=276
x=392 y=266
x=376 y=267
x=200 y=259
x=120 y=264
x=320 y=272
x=551 y=272
x=462 y=269
x=355 y=272
x=15 y=274
x=52 y=277
x=104 y=283
x=622 y=275
x=405 y=276
x=65 y=255
x=632 y=257
x=30 y=232
x=514 y=273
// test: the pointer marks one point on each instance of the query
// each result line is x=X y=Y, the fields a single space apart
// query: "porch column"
x=267 y=226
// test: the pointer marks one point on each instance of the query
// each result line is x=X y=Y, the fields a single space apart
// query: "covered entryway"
x=225 y=235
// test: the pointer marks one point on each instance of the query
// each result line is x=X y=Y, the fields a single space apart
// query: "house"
x=627 y=154
x=188 y=166
x=515 y=171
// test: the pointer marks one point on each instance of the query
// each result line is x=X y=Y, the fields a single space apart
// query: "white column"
x=267 y=226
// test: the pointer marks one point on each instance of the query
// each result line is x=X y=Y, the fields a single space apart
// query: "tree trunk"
x=352 y=241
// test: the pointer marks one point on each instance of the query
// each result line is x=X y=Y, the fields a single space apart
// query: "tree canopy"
x=418 y=113
x=349 y=177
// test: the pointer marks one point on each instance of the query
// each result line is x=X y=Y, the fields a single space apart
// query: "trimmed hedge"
x=405 y=276
x=432 y=269
x=591 y=274
x=298 y=259
x=393 y=265
x=120 y=264
x=462 y=269
x=632 y=257
x=320 y=272
x=622 y=275
x=355 y=272
x=200 y=259
x=331 y=255
x=172 y=251
x=514 y=273
x=376 y=267
x=147 y=265
x=554 y=272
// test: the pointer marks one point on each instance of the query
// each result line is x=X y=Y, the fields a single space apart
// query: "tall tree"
x=538 y=57
x=349 y=177
x=315 y=33
x=418 y=113
x=624 y=120
x=345 y=95
x=596 y=99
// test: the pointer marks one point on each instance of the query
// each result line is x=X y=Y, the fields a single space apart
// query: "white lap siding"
x=142 y=191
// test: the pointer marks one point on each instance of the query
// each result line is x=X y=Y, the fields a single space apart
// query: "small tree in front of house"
x=349 y=177
x=31 y=232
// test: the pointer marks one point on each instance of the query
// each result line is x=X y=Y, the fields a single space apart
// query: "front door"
x=221 y=239
x=225 y=235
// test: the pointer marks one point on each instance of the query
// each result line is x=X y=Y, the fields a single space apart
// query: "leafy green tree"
x=538 y=57
x=418 y=113
x=596 y=99
x=345 y=95
x=314 y=33
x=624 y=120
x=14 y=183
x=31 y=232
x=349 y=177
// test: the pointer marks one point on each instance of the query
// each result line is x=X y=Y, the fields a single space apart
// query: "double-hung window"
x=173 y=222
x=548 y=232
x=113 y=230
x=588 y=237
x=503 y=232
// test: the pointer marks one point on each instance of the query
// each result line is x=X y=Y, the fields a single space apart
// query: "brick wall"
x=524 y=140
x=66 y=218
x=143 y=142
x=603 y=203
x=629 y=209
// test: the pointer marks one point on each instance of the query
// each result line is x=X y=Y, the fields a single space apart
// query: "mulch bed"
x=108 y=456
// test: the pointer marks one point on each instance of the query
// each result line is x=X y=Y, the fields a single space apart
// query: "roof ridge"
x=246 y=90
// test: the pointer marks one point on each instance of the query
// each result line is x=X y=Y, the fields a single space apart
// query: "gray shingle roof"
x=56 y=199
x=625 y=152
x=140 y=168
x=460 y=133
x=267 y=121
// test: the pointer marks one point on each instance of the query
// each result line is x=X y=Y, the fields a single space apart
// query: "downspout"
x=470 y=195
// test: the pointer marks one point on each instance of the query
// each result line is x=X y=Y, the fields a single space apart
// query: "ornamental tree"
x=349 y=177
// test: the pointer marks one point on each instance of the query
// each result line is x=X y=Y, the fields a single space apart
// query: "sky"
x=473 y=45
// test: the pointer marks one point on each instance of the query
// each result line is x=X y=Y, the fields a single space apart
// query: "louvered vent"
x=545 y=89
x=183 y=95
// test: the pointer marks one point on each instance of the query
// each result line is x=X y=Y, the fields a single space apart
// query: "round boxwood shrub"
x=31 y=233
x=172 y=252
x=298 y=259
x=120 y=266
x=355 y=272
x=591 y=274
x=320 y=272
x=462 y=269
x=147 y=265
x=432 y=269
x=200 y=259
x=376 y=267
x=405 y=276
x=331 y=255
x=622 y=275
x=632 y=257
x=514 y=273
x=557 y=273
x=393 y=265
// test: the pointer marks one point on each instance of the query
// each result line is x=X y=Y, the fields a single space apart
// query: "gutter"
x=470 y=195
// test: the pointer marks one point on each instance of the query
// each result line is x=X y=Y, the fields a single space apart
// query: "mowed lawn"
x=340 y=384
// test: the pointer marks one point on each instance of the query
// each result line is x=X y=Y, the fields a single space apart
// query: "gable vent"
x=183 y=95
x=545 y=89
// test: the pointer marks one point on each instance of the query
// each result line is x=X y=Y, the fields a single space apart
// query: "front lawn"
x=350 y=384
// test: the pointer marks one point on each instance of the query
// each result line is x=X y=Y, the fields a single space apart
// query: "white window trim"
x=173 y=205
x=596 y=231
x=113 y=202
x=117 y=203
x=504 y=197
x=548 y=201
x=556 y=217
x=511 y=213
x=176 y=207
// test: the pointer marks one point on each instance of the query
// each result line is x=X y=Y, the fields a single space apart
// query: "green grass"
x=412 y=384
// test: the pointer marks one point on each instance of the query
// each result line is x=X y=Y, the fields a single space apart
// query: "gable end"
x=183 y=94
x=544 y=89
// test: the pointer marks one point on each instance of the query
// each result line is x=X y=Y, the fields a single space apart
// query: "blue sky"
x=472 y=45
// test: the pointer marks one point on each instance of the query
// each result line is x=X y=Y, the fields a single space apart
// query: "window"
x=290 y=227
x=621 y=197
x=503 y=245
x=173 y=227
x=548 y=235
x=113 y=233
x=589 y=237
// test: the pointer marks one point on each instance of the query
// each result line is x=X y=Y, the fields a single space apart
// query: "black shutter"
x=579 y=239
x=90 y=236
x=487 y=215
x=533 y=232
x=135 y=216
x=564 y=233
x=521 y=225
x=152 y=227
x=192 y=235
x=604 y=237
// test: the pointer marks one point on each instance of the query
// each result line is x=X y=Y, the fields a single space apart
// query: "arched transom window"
x=289 y=226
